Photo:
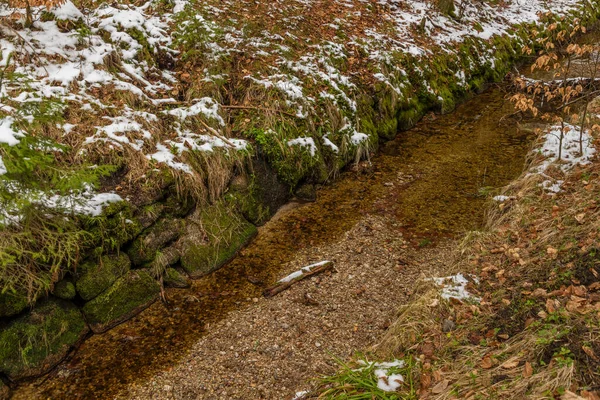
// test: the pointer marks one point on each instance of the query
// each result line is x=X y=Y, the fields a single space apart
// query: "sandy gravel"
x=274 y=348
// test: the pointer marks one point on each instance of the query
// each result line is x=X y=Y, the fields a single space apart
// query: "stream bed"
x=434 y=180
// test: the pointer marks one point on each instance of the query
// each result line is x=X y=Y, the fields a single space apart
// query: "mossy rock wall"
x=137 y=248
x=38 y=340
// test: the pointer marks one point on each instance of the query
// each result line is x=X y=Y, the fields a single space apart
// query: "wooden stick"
x=235 y=107
x=214 y=132
x=280 y=286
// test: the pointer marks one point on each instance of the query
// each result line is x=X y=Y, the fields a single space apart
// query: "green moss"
x=65 y=290
x=95 y=276
x=125 y=298
x=38 y=340
x=12 y=303
x=227 y=233
x=176 y=279
x=145 y=247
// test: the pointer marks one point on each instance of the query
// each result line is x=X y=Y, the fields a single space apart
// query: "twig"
x=283 y=285
x=258 y=108
x=4 y=24
x=216 y=133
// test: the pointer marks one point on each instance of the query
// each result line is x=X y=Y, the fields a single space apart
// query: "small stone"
x=448 y=325
x=167 y=388
x=255 y=299
x=318 y=344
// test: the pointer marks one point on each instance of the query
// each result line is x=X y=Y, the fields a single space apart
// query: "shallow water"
x=433 y=179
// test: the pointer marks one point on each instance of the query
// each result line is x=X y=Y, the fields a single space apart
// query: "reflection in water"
x=434 y=179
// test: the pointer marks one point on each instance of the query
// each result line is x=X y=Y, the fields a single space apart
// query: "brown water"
x=433 y=179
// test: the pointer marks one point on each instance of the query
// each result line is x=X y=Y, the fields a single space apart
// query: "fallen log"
x=297 y=276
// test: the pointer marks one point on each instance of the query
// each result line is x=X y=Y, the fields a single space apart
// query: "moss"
x=64 y=289
x=35 y=342
x=226 y=233
x=176 y=279
x=145 y=247
x=114 y=227
x=125 y=298
x=95 y=276
x=12 y=303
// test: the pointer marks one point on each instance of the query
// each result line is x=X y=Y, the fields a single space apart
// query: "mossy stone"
x=97 y=276
x=306 y=192
x=175 y=279
x=35 y=342
x=226 y=233
x=12 y=303
x=144 y=249
x=128 y=296
x=65 y=290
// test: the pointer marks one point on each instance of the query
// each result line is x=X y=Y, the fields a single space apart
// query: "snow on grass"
x=568 y=142
x=8 y=134
x=388 y=379
x=307 y=142
x=455 y=286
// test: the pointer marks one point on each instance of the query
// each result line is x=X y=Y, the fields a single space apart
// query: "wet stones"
x=97 y=276
x=128 y=296
x=38 y=340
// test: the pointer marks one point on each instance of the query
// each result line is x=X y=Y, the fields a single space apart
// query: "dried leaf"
x=440 y=387
x=510 y=364
x=527 y=370
x=486 y=362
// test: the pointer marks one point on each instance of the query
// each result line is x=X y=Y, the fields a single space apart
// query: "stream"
x=434 y=180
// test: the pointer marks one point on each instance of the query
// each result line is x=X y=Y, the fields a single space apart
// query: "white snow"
x=387 y=380
x=455 y=286
x=8 y=134
x=572 y=139
x=3 y=169
x=307 y=142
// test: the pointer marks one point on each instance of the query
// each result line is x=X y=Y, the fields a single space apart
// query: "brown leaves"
x=527 y=370
x=486 y=362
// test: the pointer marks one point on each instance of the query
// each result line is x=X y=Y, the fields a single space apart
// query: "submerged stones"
x=38 y=340
x=126 y=297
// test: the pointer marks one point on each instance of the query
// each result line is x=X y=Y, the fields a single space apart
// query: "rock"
x=214 y=240
x=35 y=342
x=65 y=290
x=448 y=325
x=4 y=391
x=144 y=249
x=307 y=192
x=97 y=276
x=12 y=303
x=271 y=193
x=176 y=207
x=128 y=296
x=175 y=279
x=149 y=214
